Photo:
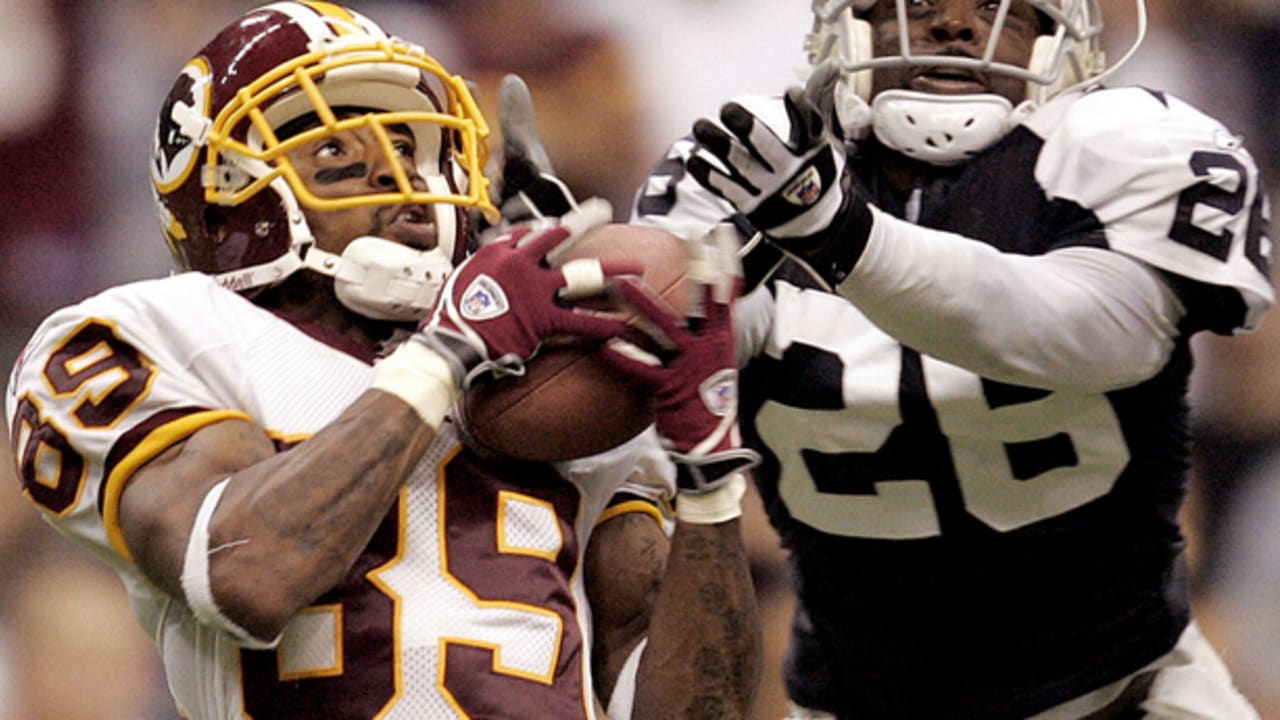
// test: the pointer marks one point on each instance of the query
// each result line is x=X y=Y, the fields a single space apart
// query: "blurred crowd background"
x=613 y=83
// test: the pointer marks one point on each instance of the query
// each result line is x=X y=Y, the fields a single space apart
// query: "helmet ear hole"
x=215 y=223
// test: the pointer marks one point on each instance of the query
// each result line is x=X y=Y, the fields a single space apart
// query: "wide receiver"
x=263 y=448
x=973 y=273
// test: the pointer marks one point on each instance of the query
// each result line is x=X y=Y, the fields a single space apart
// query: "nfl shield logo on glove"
x=483 y=299
x=720 y=392
x=805 y=189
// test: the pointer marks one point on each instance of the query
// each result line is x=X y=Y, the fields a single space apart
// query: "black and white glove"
x=498 y=307
x=526 y=187
x=788 y=175
x=695 y=383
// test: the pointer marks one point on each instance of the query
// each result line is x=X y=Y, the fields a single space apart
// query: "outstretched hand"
x=788 y=174
x=527 y=186
x=782 y=173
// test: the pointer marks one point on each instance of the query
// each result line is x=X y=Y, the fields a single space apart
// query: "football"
x=570 y=403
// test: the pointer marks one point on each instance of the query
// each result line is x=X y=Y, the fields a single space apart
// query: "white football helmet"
x=948 y=129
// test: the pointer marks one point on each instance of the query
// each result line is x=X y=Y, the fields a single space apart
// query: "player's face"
x=352 y=162
x=954 y=27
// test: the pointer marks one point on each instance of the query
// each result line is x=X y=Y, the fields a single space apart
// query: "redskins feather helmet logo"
x=181 y=130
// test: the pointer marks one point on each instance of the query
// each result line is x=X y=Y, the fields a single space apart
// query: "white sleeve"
x=752 y=321
x=1171 y=187
x=670 y=199
x=1080 y=318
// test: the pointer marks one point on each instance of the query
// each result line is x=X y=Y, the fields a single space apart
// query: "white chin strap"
x=383 y=280
x=377 y=278
x=942 y=129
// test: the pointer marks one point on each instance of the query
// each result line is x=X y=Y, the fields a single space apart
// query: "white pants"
x=1190 y=683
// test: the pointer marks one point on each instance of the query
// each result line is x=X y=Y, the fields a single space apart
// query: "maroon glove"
x=695 y=385
x=499 y=305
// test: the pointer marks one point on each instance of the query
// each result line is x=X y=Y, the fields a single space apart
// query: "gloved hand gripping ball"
x=498 y=308
x=695 y=380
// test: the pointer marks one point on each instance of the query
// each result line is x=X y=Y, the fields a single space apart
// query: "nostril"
x=953 y=30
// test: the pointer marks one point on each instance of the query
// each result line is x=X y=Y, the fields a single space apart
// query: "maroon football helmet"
x=230 y=201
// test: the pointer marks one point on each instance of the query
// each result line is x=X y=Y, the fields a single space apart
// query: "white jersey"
x=438 y=618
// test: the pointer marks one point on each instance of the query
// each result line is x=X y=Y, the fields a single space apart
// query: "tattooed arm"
x=703 y=656
x=623 y=572
x=692 y=598
x=288 y=525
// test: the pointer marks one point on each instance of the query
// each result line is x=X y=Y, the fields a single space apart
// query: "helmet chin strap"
x=942 y=130
x=374 y=277
x=377 y=278
x=255 y=276
x=382 y=279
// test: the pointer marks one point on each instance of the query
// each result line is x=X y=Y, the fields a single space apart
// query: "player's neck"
x=307 y=298
x=904 y=173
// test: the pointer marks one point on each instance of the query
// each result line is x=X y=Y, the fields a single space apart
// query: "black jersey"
x=968 y=548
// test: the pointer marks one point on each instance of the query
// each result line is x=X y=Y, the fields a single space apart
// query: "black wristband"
x=833 y=252
x=703 y=474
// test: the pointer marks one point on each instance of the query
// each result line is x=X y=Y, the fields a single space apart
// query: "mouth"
x=411 y=225
x=949 y=81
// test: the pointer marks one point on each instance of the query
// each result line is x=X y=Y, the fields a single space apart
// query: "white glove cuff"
x=720 y=505
x=418 y=375
x=196 y=586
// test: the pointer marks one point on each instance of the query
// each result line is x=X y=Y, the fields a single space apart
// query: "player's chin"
x=419 y=235
x=948 y=83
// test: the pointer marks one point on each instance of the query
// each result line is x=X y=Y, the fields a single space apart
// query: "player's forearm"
x=295 y=523
x=703 y=654
x=1082 y=318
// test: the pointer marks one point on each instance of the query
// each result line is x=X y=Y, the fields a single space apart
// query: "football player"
x=263 y=447
x=973 y=271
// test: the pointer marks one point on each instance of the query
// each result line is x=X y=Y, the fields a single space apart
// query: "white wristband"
x=195 y=576
x=418 y=375
x=720 y=505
